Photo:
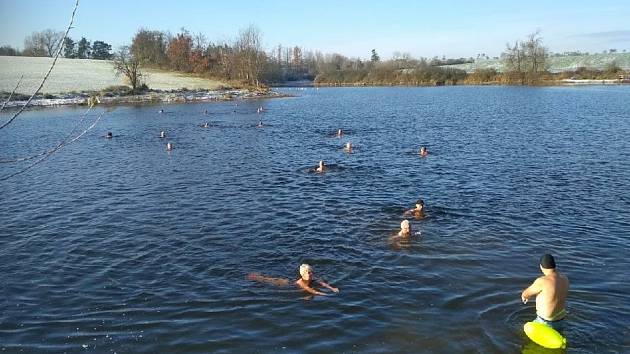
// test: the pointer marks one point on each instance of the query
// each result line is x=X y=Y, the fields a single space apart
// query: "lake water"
x=120 y=246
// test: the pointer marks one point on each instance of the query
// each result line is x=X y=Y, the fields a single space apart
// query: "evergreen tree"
x=83 y=50
x=68 y=48
x=101 y=50
x=375 y=56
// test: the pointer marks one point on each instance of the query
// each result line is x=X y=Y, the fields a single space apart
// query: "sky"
x=451 y=28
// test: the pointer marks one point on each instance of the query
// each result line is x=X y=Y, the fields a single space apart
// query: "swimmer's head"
x=404 y=226
x=306 y=271
x=109 y=135
x=547 y=261
x=321 y=164
x=419 y=204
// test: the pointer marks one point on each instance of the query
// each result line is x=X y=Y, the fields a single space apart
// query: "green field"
x=558 y=64
x=83 y=75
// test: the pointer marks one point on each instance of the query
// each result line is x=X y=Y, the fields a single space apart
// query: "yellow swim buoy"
x=544 y=335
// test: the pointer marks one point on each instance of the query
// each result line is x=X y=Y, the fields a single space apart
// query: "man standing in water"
x=551 y=293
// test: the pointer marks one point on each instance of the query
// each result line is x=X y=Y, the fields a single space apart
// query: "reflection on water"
x=119 y=246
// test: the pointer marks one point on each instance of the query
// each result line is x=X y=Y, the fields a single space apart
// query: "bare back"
x=551 y=300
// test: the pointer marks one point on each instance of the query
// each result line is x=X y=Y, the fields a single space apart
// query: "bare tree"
x=34 y=45
x=52 y=40
x=251 y=58
x=44 y=43
x=513 y=61
x=526 y=60
x=536 y=56
x=125 y=63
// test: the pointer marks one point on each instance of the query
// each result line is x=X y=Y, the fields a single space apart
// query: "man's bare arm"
x=328 y=286
x=309 y=289
x=532 y=290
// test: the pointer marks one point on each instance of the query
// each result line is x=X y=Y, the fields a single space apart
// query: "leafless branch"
x=49 y=153
x=64 y=141
x=12 y=92
x=76 y=5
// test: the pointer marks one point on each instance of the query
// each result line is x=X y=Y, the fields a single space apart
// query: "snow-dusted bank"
x=83 y=81
x=149 y=97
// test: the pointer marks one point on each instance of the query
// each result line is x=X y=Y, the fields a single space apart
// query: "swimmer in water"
x=417 y=212
x=169 y=146
x=305 y=282
x=423 y=152
x=161 y=111
x=402 y=238
x=551 y=293
x=162 y=134
x=205 y=125
x=259 y=125
x=405 y=229
x=339 y=133
x=348 y=147
x=321 y=167
x=109 y=135
x=205 y=112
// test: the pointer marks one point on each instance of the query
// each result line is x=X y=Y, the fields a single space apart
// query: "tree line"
x=46 y=44
x=243 y=61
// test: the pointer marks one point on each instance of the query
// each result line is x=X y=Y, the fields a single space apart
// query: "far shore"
x=149 y=97
x=564 y=82
x=202 y=95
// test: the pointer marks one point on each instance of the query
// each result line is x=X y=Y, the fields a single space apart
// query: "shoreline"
x=151 y=97
x=563 y=82
x=186 y=96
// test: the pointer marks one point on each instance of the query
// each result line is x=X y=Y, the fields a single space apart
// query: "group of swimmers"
x=550 y=289
x=321 y=167
x=169 y=145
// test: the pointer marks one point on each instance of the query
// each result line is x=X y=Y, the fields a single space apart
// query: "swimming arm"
x=328 y=286
x=309 y=289
x=532 y=290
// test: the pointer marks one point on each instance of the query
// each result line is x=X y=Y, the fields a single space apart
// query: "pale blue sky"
x=452 y=28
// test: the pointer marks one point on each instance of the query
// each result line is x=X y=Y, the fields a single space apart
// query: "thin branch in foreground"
x=20 y=159
x=49 y=153
x=12 y=92
x=76 y=5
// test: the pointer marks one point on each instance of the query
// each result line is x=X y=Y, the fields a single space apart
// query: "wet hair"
x=420 y=201
x=547 y=261
x=405 y=222
x=305 y=268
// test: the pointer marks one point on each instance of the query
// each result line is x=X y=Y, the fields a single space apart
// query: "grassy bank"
x=77 y=75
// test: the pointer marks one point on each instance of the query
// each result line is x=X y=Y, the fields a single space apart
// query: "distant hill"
x=84 y=75
x=557 y=64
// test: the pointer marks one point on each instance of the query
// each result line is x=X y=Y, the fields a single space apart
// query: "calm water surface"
x=118 y=246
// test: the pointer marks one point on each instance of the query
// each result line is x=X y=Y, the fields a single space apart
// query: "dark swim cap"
x=547 y=261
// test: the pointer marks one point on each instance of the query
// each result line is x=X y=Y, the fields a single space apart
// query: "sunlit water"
x=120 y=246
